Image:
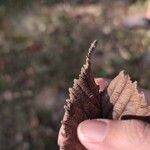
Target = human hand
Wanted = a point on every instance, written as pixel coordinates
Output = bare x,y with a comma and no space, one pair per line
114,135
118,135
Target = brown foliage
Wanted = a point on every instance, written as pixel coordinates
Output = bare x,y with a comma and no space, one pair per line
120,100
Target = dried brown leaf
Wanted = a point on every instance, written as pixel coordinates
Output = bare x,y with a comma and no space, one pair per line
120,100
84,103
125,98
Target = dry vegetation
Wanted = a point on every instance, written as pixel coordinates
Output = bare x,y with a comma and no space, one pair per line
42,47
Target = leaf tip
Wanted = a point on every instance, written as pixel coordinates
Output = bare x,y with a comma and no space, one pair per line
92,48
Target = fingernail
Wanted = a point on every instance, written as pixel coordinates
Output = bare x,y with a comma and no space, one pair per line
92,131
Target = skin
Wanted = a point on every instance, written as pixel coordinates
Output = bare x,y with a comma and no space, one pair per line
106,134
147,15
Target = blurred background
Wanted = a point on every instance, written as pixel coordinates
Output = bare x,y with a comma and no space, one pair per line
43,44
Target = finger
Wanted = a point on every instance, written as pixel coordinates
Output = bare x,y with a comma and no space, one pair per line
102,83
114,135
147,95
61,138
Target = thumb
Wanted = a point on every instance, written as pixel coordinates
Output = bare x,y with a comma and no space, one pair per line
114,135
